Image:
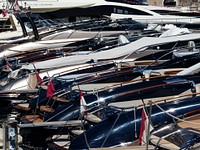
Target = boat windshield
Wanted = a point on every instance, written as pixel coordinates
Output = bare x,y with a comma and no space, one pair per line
41,22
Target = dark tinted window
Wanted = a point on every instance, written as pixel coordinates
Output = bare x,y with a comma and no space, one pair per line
133,2
130,11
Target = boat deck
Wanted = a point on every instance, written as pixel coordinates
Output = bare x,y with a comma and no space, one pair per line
192,122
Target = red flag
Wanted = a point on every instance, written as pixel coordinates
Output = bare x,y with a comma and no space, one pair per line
8,66
16,6
50,90
144,128
16,3
3,12
39,79
83,104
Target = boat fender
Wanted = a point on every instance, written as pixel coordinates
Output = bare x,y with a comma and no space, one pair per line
193,87
197,88
147,74
32,81
122,40
191,46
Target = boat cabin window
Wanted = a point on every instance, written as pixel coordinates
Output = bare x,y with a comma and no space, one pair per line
5,25
107,9
125,12
130,11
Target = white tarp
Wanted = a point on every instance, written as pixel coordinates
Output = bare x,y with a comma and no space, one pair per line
175,31
113,53
35,46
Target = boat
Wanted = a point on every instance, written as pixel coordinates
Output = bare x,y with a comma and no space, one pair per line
116,53
169,136
138,62
70,110
100,28
100,82
124,123
45,6
118,122
22,29
98,8
60,38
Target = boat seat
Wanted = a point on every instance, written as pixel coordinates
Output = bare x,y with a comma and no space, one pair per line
60,141
22,108
163,143
32,118
60,99
173,72
145,63
77,132
93,118
194,119
46,109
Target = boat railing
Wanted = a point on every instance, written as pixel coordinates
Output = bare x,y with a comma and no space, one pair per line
86,23
188,47
182,20
74,69
96,74
130,82
79,68
193,129
118,84
122,108
174,117
172,98
155,102
164,137
140,89
41,22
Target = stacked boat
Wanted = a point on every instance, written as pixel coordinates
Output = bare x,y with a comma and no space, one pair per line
99,83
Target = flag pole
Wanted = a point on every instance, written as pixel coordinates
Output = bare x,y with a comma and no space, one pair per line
148,129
